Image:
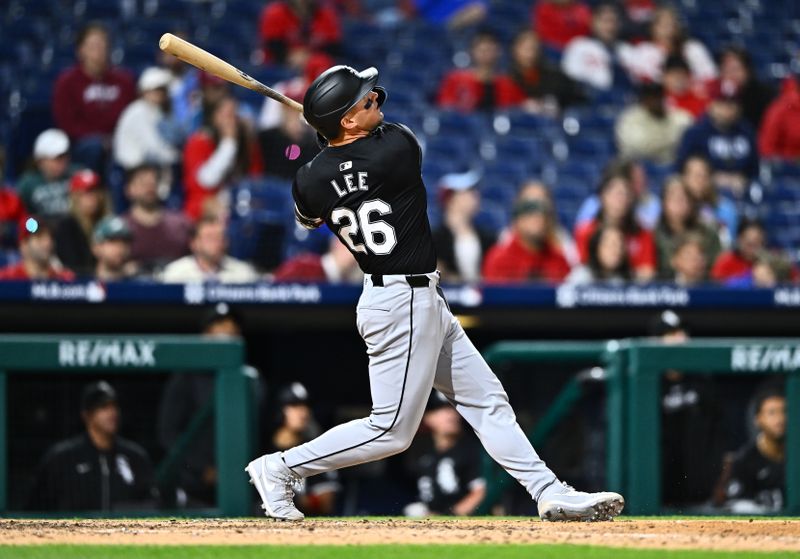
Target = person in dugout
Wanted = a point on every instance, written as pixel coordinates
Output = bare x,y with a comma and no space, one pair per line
97,470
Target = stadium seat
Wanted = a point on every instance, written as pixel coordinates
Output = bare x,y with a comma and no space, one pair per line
242,10
492,216
510,173
500,193
456,148
86,10
531,152
454,124
256,241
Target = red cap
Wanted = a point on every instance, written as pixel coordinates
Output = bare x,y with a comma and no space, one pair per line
84,180
725,90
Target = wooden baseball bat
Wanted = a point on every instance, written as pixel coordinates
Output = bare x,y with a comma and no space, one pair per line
207,62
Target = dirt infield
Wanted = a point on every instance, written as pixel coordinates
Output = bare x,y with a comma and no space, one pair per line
731,535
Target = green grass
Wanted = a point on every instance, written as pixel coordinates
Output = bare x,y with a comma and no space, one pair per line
363,552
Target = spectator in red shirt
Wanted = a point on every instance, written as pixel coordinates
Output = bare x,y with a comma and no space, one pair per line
38,255
617,208
335,266
537,190
215,157
769,271
544,88
679,91
293,31
158,235
89,97
779,137
529,252
557,22
750,243
480,87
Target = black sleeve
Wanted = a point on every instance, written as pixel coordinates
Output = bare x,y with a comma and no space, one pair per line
412,139
302,213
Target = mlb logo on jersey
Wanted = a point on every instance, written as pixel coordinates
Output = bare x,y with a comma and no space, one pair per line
345,166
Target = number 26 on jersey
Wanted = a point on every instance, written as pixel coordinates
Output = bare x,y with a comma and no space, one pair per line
379,237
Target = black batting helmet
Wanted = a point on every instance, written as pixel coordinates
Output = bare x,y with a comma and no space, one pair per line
336,91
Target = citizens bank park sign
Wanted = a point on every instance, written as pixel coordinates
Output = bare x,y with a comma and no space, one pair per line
106,353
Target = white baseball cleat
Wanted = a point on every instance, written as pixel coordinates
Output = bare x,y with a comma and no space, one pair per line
274,482
571,505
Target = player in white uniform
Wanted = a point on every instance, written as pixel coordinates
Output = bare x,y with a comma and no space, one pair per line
367,187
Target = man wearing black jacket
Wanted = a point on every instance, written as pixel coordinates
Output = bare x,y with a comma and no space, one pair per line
97,470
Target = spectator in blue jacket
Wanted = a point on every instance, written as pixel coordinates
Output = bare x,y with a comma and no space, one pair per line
725,139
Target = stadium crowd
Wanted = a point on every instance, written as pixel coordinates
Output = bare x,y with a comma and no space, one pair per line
169,176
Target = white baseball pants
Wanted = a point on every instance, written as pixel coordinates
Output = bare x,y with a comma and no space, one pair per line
414,343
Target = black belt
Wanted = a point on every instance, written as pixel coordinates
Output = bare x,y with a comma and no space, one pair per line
413,281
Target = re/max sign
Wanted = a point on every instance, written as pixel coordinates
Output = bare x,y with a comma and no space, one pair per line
104,353
765,358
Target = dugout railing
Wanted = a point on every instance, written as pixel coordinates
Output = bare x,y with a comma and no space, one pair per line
110,355
633,370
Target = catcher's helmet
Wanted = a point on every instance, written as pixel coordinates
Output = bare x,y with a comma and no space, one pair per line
336,91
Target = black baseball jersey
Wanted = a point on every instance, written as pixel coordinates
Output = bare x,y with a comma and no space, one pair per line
757,478
370,193
444,478
74,476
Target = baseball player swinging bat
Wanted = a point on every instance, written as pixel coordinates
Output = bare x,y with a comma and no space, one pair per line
367,187
194,55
